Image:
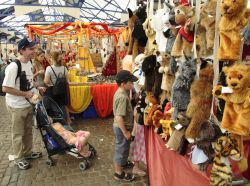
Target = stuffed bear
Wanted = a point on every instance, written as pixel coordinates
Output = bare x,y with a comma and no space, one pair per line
236,114
152,106
167,77
206,28
200,103
157,116
151,46
177,138
180,90
137,36
235,16
184,41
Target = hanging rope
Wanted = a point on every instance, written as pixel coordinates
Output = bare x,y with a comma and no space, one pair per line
197,19
215,53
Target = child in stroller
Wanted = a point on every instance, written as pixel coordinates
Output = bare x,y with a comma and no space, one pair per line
59,137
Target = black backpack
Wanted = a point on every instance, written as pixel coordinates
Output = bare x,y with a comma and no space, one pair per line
61,85
24,83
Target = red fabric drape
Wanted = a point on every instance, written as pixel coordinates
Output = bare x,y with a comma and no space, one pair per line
167,168
246,174
103,98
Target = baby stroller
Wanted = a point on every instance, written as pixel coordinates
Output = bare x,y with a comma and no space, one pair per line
46,110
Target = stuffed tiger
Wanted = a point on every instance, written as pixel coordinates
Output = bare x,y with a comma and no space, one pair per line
221,174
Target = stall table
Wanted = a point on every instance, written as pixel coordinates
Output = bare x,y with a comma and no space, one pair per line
81,95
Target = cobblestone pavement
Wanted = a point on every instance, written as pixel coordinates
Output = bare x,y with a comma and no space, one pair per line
66,171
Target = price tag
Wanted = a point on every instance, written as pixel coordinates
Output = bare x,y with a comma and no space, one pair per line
226,90
178,126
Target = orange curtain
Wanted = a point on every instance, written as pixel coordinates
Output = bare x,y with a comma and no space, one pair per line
103,98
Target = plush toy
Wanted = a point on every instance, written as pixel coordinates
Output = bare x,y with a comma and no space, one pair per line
177,138
158,77
152,106
153,78
137,36
206,28
170,31
221,173
148,67
235,16
159,24
180,91
166,128
167,77
157,116
236,114
137,72
201,99
151,46
209,132
184,41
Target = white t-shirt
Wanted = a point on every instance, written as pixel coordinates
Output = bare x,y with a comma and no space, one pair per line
10,81
58,70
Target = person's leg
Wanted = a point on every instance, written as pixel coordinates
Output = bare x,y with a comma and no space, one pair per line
28,138
119,150
17,130
17,133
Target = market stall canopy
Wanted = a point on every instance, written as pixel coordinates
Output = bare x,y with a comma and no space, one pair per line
14,14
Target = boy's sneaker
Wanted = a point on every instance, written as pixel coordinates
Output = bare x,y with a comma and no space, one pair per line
128,165
124,177
23,164
34,155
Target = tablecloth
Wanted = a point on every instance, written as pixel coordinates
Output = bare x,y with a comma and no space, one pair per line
103,98
166,167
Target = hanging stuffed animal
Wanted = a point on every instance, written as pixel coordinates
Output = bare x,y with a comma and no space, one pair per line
170,31
206,28
184,16
235,16
151,46
209,133
137,72
148,67
201,99
137,37
181,86
177,141
159,24
221,173
236,114
167,78
152,106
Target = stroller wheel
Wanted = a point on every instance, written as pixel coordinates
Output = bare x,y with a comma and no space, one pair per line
84,165
50,162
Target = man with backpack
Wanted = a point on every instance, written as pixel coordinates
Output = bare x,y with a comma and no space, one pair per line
17,84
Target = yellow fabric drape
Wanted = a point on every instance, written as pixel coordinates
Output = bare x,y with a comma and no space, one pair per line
80,98
85,60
